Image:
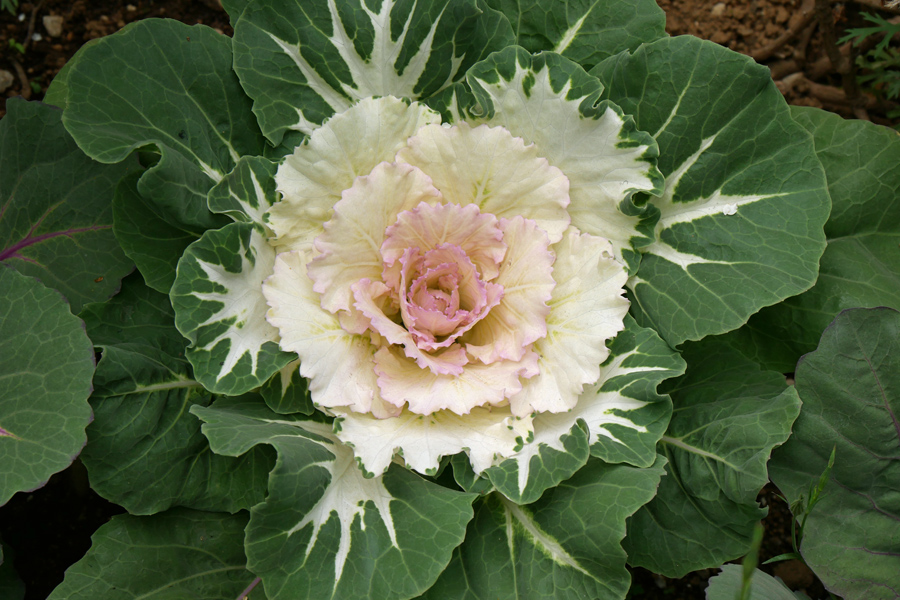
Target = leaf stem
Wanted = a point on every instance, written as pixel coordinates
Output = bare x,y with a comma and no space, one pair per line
249,589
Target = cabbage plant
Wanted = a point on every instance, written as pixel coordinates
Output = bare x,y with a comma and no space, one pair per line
432,299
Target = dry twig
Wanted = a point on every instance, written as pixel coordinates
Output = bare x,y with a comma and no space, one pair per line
806,16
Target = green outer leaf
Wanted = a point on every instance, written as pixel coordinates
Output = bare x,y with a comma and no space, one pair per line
58,91
55,220
46,361
148,237
303,61
728,417
234,8
606,159
859,267
619,420
178,554
745,198
325,531
145,451
727,585
115,105
850,387
220,308
586,31
161,82
566,545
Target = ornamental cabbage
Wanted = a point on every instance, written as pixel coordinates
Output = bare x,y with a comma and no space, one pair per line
438,255
432,282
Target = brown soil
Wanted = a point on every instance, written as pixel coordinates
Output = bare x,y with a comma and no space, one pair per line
779,33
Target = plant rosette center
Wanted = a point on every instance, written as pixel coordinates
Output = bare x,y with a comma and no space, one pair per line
442,295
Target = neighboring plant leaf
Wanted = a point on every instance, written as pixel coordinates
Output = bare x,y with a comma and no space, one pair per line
46,362
145,450
200,130
220,308
727,585
11,587
620,420
177,554
745,197
326,531
850,388
536,97
586,32
859,267
564,546
56,222
728,417
303,61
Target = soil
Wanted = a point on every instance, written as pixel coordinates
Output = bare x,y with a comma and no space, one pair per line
49,529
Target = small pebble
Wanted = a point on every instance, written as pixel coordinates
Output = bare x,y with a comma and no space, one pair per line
130,7
718,9
6,80
53,24
36,37
21,17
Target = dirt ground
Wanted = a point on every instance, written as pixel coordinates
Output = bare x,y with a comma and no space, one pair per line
786,35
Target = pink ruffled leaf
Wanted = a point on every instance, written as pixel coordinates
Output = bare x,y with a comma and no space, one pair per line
527,279
350,247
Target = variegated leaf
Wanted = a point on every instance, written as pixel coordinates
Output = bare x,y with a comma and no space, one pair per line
220,308
585,31
744,203
551,102
566,546
287,391
247,192
326,531
619,419
302,62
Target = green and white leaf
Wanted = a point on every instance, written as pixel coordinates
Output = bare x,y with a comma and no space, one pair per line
745,198
301,62
220,308
145,450
859,267
177,554
287,391
327,531
565,546
55,221
46,362
606,159
727,586
850,387
247,192
728,417
204,124
619,419
585,31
